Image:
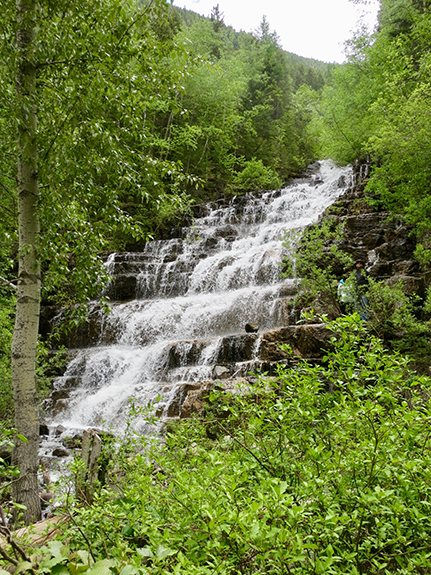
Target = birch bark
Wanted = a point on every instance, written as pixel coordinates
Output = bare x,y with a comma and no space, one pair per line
25,456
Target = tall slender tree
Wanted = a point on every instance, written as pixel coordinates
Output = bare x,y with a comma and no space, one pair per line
24,344
85,75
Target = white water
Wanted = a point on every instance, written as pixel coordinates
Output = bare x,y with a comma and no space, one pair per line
193,291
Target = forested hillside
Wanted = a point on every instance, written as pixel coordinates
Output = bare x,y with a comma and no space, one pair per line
378,104
239,125
122,114
115,117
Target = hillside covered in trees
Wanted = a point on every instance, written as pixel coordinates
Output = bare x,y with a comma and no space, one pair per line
121,116
118,117
378,105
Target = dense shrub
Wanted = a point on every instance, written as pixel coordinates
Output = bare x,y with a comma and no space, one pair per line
321,469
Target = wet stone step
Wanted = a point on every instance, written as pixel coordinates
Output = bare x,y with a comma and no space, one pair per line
181,305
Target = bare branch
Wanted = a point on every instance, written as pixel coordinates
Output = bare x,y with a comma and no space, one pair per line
8,283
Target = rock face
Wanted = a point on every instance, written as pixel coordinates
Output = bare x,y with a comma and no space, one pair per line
150,289
307,341
384,242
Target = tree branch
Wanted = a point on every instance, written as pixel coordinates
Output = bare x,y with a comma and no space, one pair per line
8,283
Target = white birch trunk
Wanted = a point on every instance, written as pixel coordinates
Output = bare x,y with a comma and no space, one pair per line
25,456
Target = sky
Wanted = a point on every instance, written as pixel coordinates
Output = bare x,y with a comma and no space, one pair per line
311,28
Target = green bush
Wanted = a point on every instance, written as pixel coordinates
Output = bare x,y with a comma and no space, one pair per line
321,469
317,260
256,176
7,313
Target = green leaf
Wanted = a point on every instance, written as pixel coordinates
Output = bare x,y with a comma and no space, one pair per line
22,567
75,569
255,529
52,562
145,552
101,568
84,556
56,548
59,570
129,570
163,552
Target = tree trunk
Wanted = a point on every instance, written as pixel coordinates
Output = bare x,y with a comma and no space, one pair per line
25,455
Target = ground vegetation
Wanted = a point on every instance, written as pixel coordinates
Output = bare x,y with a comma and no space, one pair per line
319,469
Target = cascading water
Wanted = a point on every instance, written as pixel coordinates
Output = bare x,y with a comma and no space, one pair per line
193,294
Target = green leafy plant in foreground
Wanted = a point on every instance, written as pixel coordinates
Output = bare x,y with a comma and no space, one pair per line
321,469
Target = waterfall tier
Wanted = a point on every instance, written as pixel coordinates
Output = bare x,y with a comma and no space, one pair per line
180,307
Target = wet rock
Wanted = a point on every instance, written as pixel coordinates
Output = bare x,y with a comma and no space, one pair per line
210,243
59,430
221,372
304,340
411,284
194,403
236,348
60,394
227,232
43,428
185,353
288,290
251,328
406,267
60,406
86,334
47,315
381,269
60,452
188,399
122,288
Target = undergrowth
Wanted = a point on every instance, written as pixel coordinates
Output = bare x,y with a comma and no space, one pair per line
321,469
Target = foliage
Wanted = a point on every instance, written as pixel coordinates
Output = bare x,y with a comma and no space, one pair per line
256,176
7,309
101,69
379,104
401,320
319,262
238,107
322,469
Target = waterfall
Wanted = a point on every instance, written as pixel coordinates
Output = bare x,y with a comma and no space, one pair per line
192,296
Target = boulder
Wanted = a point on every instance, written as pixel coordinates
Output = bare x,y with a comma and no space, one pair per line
236,348
305,341
194,401
60,452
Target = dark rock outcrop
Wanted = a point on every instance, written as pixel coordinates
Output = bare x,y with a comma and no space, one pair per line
381,240
306,341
